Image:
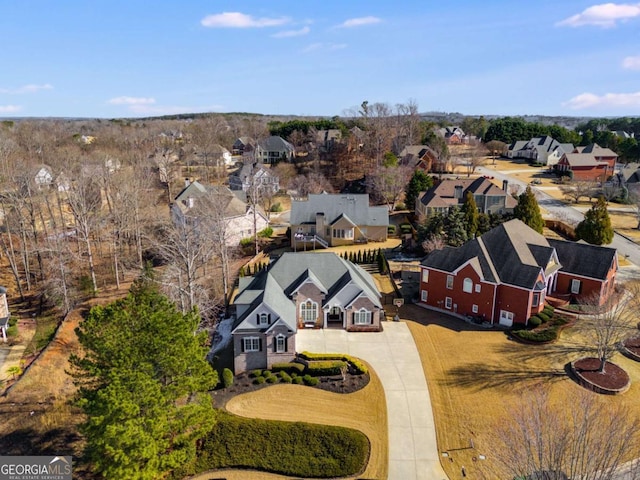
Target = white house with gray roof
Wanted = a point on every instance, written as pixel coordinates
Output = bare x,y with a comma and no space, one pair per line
299,290
273,149
337,219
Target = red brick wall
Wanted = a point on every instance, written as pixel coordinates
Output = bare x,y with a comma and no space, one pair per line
588,287
589,173
514,300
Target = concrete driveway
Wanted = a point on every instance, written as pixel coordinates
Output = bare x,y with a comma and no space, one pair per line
413,453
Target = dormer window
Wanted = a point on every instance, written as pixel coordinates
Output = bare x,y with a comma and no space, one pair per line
263,319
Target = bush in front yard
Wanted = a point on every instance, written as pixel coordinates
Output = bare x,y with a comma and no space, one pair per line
325,367
535,321
272,379
227,378
356,363
259,380
294,449
298,380
286,378
546,335
288,367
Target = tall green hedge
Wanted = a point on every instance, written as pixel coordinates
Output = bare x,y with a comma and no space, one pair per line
288,448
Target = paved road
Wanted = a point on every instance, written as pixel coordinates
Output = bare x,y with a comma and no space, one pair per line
557,209
413,452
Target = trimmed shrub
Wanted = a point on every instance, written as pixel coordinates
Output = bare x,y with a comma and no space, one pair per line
356,363
535,321
544,317
292,449
310,381
298,380
400,206
266,373
325,367
266,232
276,207
546,335
255,373
294,374
288,367
227,378
286,378
259,380
246,242
271,379
548,309
391,230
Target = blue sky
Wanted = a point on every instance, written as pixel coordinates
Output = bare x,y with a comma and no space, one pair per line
133,58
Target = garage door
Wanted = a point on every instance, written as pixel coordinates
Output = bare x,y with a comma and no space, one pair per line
506,318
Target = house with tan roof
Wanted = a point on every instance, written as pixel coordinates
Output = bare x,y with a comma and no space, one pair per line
451,192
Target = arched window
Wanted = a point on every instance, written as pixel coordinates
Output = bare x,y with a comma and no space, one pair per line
309,312
281,343
467,285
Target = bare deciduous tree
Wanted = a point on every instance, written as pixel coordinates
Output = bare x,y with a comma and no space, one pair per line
576,190
387,184
580,437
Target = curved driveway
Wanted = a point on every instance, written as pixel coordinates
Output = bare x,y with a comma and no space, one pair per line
413,452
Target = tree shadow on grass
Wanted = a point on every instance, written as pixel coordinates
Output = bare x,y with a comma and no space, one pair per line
27,441
478,377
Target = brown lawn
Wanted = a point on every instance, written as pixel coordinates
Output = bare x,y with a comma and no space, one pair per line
365,410
476,375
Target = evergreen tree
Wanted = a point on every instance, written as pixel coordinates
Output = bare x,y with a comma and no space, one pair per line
471,215
454,227
528,210
142,383
241,274
359,258
419,182
382,265
596,227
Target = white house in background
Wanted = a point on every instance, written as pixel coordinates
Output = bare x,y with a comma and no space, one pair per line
238,215
554,157
43,176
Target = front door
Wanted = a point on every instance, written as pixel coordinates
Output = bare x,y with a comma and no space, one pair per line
335,318
506,318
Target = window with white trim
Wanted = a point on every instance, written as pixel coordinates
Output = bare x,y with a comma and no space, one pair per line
450,282
467,285
281,344
448,301
362,317
478,288
424,295
575,286
309,311
536,300
474,308
263,319
425,276
251,344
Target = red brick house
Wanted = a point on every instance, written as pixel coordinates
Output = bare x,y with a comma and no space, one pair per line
505,275
590,163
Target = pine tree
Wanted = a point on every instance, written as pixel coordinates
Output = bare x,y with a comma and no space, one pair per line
241,271
143,390
455,228
419,182
359,257
596,227
382,265
471,215
528,210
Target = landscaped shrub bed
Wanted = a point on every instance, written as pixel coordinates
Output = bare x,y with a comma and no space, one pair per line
292,367
289,448
541,331
318,368
358,365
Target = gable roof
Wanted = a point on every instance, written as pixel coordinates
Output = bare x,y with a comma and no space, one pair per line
354,206
510,253
582,160
443,194
583,259
275,144
598,151
234,205
274,286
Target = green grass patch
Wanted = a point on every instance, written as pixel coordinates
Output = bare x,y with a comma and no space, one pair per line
294,449
45,330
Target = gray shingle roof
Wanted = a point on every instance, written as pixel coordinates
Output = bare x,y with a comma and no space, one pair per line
354,206
591,261
275,144
274,286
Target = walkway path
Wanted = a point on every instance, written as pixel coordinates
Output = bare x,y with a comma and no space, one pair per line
413,452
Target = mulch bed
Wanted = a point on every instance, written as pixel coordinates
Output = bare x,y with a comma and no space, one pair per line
243,383
614,379
631,347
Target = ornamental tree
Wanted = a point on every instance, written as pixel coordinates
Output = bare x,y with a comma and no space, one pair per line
596,227
528,210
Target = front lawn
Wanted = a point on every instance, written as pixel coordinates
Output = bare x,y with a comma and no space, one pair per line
289,448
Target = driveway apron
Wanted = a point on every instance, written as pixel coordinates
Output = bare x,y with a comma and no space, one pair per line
413,452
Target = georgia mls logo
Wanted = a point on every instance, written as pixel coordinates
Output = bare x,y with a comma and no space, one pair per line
35,468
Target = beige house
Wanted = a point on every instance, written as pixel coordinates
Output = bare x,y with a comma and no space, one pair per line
325,220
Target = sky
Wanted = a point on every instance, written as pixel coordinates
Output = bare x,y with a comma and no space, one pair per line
134,58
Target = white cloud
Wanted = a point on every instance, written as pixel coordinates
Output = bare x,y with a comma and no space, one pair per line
608,100
241,20
31,88
631,63
358,22
324,46
292,33
132,101
604,15
10,108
